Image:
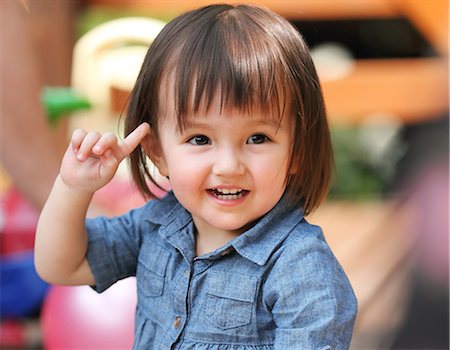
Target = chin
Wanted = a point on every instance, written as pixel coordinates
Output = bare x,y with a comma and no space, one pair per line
229,227
236,227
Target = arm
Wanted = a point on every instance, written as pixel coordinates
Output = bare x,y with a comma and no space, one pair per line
89,163
24,134
311,299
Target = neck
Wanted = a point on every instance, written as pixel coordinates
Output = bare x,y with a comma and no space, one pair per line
210,239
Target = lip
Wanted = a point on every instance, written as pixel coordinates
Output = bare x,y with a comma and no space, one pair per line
227,195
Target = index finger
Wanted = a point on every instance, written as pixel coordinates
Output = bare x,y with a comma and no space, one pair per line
134,139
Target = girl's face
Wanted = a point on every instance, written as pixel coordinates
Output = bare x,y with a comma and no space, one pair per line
226,168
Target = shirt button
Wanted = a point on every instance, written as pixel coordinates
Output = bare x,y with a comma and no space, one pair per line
177,322
226,252
186,273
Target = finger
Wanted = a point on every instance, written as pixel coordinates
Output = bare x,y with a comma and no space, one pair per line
134,139
88,142
77,138
106,142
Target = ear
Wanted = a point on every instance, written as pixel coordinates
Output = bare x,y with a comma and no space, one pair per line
294,169
153,150
293,164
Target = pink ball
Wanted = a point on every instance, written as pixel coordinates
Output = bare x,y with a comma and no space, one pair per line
80,318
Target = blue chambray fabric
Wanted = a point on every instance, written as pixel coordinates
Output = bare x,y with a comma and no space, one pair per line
276,286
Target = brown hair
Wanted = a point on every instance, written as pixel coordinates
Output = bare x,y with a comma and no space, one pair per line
254,59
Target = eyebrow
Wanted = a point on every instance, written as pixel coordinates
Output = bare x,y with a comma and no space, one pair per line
192,123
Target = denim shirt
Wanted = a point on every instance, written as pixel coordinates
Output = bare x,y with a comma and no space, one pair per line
276,286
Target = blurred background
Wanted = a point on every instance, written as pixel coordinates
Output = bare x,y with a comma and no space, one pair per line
384,71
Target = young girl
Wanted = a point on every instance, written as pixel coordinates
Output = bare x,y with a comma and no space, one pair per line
229,108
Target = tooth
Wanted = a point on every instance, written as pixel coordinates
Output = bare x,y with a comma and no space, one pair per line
224,193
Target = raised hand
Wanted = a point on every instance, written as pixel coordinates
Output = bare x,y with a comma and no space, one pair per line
92,159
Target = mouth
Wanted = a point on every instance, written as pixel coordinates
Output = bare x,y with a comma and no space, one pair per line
228,193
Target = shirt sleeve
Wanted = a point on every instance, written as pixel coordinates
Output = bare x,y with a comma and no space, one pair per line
113,246
312,302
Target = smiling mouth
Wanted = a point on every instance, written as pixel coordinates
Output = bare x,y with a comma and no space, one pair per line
228,194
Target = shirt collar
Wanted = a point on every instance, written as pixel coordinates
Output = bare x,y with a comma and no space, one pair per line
168,212
255,244
258,243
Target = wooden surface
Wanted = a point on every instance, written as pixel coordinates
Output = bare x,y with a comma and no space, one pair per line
409,90
289,8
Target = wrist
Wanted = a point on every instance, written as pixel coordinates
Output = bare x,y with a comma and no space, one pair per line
73,191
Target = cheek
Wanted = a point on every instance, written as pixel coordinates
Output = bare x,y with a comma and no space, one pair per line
271,178
184,172
272,169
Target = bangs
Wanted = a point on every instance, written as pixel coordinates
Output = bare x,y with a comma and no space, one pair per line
233,61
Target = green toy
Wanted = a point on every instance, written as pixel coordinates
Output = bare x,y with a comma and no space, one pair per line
60,101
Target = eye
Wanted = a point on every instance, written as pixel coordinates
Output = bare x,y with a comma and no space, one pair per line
199,140
257,139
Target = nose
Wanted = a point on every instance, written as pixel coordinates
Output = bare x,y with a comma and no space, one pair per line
228,162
